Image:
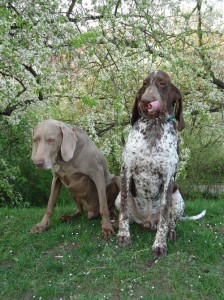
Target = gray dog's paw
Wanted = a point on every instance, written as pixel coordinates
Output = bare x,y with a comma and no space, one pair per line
124,240
37,229
72,217
107,233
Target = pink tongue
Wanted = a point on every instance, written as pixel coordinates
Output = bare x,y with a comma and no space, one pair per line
154,106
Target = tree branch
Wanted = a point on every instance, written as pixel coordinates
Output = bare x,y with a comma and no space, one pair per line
100,132
70,9
116,7
205,60
37,77
17,79
10,108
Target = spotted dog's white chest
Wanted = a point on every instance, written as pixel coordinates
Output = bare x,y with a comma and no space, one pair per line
144,150
149,159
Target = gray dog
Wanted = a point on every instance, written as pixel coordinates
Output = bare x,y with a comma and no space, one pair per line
81,167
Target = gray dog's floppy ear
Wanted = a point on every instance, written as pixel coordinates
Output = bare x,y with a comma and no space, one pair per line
68,142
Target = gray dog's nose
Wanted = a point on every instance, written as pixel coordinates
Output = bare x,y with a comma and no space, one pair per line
39,163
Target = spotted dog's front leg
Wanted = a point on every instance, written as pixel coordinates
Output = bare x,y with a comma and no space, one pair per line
159,248
123,236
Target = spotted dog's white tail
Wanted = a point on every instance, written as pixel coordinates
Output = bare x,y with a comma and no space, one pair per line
194,218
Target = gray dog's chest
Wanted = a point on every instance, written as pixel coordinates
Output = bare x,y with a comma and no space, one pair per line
150,155
75,181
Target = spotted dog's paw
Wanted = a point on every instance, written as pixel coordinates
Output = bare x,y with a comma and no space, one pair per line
172,235
159,251
123,239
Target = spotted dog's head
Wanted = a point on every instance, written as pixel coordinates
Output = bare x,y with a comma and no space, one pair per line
158,96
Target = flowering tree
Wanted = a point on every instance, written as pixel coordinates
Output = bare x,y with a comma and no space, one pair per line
132,38
83,62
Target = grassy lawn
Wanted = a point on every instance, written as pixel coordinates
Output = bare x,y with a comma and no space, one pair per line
71,261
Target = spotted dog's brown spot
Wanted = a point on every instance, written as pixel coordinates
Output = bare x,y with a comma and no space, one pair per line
132,187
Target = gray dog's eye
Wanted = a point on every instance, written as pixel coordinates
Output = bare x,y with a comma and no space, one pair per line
36,140
50,140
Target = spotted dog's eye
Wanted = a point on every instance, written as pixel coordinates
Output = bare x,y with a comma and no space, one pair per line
145,83
162,83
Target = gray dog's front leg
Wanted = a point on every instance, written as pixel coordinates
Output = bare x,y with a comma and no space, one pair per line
44,223
107,228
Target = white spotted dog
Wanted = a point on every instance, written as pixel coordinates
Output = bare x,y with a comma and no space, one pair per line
148,194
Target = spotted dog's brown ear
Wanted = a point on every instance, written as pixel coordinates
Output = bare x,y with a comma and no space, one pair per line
135,110
176,99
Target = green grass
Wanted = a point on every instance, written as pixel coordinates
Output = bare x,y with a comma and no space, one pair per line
71,261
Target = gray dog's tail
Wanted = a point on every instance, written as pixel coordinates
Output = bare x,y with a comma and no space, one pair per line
194,218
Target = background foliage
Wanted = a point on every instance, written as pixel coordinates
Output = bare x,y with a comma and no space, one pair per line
83,62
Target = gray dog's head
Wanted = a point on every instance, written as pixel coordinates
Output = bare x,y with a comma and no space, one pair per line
50,137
